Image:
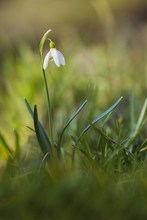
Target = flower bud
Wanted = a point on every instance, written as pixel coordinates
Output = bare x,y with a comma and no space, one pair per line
52,44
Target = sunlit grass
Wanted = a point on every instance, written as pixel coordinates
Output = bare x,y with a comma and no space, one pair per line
107,166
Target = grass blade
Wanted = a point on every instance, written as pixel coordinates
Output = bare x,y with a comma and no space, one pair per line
101,132
100,117
140,123
70,120
142,147
32,115
46,139
141,118
45,147
17,143
29,108
42,44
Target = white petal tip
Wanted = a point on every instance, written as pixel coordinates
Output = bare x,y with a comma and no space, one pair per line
46,60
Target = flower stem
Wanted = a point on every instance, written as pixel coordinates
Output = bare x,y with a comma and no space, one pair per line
49,109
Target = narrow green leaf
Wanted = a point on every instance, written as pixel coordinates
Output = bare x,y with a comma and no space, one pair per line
132,112
70,120
143,150
31,129
101,132
45,147
141,118
104,139
43,39
83,148
32,115
43,161
141,122
100,117
47,141
17,143
114,153
142,147
29,108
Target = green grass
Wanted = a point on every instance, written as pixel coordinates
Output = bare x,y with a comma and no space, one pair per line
99,176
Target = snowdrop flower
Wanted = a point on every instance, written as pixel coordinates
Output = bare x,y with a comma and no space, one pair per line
55,55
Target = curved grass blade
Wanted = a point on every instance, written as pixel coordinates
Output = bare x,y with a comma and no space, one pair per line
102,133
40,134
42,164
141,122
70,120
32,115
29,108
43,39
141,117
142,147
100,117
31,129
83,149
44,135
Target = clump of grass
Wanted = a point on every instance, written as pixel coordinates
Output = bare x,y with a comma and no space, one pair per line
97,170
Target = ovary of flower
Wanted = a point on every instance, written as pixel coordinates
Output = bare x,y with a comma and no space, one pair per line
56,55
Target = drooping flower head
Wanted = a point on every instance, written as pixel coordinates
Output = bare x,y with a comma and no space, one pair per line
54,55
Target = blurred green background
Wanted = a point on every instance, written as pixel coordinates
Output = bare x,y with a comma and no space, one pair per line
21,20
105,47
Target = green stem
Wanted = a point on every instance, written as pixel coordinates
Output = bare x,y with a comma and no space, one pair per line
49,109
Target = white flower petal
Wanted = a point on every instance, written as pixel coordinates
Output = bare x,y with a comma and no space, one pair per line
55,56
58,57
61,58
46,60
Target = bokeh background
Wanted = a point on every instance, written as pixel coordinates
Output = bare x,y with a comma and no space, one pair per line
22,20
104,176
105,47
